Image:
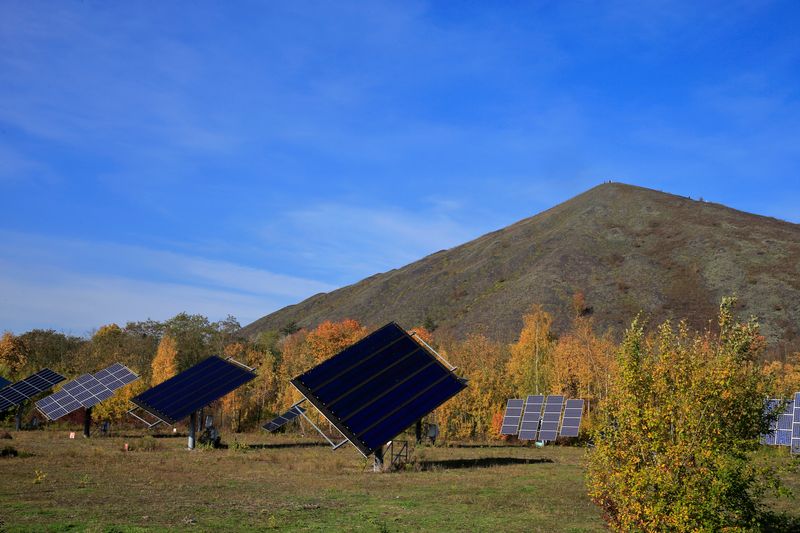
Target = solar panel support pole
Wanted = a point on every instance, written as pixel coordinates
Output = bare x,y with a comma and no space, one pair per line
87,422
18,418
418,431
324,436
192,424
378,465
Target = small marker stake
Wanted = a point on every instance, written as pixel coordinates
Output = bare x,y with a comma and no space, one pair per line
72,434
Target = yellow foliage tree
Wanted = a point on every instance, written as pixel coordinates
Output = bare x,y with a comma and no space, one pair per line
529,362
12,354
583,363
785,376
470,413
165,363
115,408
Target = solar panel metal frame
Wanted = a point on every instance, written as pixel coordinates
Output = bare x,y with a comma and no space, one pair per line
86,391
512,416
529,427
16,393
571,420
393,395
191,390
551,418
283,419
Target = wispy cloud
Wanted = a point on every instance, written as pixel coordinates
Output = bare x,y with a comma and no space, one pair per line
43,278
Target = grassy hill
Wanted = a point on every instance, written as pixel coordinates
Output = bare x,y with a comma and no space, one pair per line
629,249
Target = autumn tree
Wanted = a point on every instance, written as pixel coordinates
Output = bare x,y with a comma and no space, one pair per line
674,438
529,362
582,362
165,363
469,414
12,354
785,376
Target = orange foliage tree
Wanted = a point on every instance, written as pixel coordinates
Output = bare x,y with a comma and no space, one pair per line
12,355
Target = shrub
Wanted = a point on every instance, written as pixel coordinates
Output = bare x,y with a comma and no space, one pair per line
674,439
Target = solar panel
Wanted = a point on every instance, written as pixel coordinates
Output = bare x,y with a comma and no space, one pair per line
551,418
531,417
512,417
285,418
86,391
795,441
4,382
770,437
28,388
376,388
194,388
571,422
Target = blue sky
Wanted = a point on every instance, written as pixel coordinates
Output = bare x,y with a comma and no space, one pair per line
236,157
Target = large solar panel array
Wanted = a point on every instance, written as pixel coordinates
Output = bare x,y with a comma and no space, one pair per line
529,423
378,387
194,388
4,382
512,417
28,388
571,422
780,429
531,417
86,391
284,419
551,418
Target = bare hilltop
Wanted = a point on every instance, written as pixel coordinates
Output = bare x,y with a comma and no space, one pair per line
627,249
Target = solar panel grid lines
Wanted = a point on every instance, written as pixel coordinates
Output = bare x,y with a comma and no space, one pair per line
512,416
794,443
529,427
86,391
281,420
571,421
194,388
551,418
29,387
4,382
376,388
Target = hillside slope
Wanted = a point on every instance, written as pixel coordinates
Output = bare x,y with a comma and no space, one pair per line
629,249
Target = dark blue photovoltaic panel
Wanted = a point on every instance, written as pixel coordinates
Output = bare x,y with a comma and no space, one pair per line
194,388
375,389
512,417
780,429
283,419
28,388
4,382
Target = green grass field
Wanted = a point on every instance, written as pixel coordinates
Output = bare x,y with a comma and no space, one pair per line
290,484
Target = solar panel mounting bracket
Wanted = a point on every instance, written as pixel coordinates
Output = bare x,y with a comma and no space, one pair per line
150,425
434,352
334,445
234,361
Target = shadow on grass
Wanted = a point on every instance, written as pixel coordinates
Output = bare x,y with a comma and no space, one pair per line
781,523
480,462
279,445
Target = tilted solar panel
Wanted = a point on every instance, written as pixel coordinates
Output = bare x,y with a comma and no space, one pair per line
529,427
285,418
770,406
194,388
571,422
795,441
86,391
29,387
379,386
4,382
512,417
551,418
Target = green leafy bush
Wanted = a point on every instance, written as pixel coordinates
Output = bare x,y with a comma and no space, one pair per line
675,437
